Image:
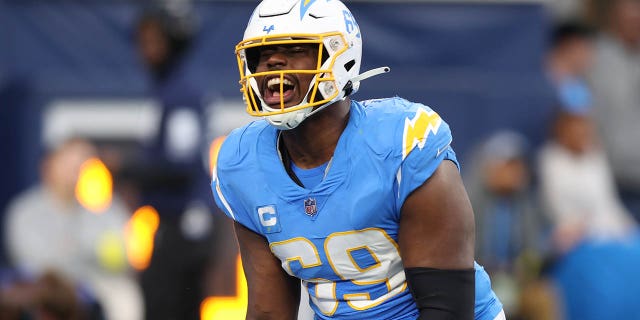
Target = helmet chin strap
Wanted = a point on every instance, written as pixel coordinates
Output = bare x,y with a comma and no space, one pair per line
290,120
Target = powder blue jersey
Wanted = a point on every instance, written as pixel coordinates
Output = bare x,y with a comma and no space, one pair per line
341,236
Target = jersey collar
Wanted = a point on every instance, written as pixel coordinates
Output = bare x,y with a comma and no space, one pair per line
279,181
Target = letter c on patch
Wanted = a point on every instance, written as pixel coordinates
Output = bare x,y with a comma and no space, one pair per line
268,217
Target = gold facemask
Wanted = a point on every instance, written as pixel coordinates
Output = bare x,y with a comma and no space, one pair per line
322,89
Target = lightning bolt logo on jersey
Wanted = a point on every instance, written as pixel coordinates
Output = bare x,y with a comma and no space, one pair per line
346,252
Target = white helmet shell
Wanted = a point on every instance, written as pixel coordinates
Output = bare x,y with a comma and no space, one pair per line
327,23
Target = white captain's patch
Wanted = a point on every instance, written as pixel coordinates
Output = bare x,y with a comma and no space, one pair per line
268,216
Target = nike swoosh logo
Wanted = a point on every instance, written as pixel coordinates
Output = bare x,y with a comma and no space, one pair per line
441,150
316,16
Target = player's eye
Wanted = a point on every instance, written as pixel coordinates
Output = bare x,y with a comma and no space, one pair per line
297,49
266,53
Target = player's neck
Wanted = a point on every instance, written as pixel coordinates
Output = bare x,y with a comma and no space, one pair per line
313,142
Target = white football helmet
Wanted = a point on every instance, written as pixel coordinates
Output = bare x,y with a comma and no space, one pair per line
327,23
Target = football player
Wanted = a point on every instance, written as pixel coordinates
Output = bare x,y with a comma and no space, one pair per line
362,201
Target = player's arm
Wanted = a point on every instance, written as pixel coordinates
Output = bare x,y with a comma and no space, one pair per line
273,294
436,239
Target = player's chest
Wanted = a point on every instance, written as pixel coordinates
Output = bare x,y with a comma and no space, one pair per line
311,232
354,205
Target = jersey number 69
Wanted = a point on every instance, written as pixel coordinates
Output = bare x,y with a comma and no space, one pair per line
363,261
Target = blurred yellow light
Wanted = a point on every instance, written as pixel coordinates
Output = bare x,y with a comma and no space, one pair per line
214,149
94,188
140,233
111,252
228,308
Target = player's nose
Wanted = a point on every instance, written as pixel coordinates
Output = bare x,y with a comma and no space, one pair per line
277,60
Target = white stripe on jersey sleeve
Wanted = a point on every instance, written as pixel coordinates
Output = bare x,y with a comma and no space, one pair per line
222,198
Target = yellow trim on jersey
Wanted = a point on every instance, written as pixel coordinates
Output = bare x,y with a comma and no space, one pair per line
333,284
297,258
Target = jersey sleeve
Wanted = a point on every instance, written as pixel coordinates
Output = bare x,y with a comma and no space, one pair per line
222,185
426,142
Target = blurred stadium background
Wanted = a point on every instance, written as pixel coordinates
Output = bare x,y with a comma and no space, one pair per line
153,101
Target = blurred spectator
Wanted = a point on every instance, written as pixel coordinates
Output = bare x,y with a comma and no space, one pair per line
576,181
577,189
577,184
569,58
616,86
509,229
163,37
47,229
49,297
173,178
163,40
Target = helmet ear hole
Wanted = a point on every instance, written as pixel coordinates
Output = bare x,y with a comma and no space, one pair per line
349,65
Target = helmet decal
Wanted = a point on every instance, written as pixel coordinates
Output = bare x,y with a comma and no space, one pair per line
350,23
269,29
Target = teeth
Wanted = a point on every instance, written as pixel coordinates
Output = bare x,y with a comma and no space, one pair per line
274,83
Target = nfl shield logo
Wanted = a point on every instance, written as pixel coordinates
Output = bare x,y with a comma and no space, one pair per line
310,207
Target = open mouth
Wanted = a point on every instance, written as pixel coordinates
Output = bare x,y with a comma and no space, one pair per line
272,93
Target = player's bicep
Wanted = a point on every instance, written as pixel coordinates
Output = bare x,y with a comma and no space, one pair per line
437,224
273,294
